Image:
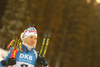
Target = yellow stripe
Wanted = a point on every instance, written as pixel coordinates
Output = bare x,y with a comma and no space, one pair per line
42,47
46,47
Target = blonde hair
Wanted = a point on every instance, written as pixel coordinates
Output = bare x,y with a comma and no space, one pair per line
21,35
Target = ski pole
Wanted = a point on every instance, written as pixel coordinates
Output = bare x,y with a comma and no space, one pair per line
14,50
42,46
20,46
47,43
10,44
40,61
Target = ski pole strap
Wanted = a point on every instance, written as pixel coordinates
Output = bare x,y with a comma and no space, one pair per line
20,47
15,44
10,44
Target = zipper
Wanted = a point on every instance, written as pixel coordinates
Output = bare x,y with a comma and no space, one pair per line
27,51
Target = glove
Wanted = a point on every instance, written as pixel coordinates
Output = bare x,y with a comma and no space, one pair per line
3,63
45,64
41,60
11,61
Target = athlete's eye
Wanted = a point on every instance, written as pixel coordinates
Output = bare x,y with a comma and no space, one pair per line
31,37
35,38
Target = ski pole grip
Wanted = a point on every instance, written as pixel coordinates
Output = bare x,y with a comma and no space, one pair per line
14,52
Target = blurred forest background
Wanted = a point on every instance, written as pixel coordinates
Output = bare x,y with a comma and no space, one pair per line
74,26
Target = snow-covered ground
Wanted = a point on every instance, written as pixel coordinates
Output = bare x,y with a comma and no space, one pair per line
3,54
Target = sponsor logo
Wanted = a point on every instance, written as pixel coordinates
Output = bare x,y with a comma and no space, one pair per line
25,56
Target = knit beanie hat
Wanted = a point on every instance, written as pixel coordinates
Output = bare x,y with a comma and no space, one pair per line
30,31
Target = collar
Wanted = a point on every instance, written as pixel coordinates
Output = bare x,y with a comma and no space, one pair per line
25,49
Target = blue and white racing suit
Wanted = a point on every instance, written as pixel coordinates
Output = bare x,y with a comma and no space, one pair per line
27,58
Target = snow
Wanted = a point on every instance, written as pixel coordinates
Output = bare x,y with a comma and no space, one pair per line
3,54
1,58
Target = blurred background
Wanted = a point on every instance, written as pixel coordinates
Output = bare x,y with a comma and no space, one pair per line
74,26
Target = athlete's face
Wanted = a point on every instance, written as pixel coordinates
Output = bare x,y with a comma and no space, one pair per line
31,40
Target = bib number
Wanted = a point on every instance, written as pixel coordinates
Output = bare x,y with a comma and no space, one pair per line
24,65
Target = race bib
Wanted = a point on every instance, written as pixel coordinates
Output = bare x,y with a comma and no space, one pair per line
23,64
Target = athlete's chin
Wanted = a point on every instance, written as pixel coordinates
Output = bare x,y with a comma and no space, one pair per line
32,45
